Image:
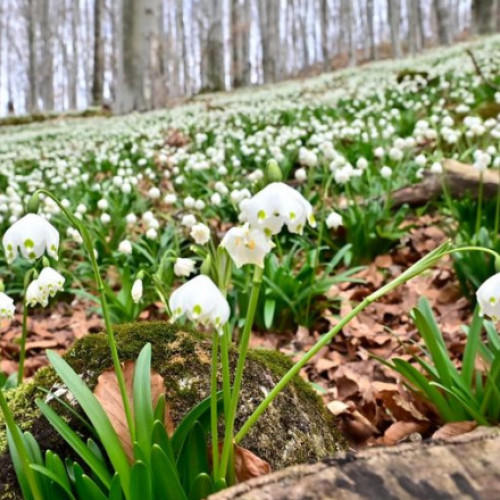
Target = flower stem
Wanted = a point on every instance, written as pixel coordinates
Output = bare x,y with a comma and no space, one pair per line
22,353
479,204
410,273
243,350
496,227
20,449
87,241
213,406
24,336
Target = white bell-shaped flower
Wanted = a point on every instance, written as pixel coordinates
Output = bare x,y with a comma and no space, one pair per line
488,297
7,307
51,280
246,245
137,290
277,205
201,301
32,235
37,293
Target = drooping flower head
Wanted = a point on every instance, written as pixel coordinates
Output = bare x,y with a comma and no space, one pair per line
7,307
32,235
201,301
246,245
275,206
488,297
46,285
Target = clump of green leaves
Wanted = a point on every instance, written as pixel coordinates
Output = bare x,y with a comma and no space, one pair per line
468,394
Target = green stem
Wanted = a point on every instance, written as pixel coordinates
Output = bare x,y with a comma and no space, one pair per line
87,241
22,354
496,227
213,407
226,373
243,349
411,272
479,204
24,336
20,448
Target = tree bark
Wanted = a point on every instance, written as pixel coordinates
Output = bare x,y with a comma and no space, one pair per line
98,69
32,57
324,18
371,30
348,22
443,21
269,33
73,69
134,54
47,59
482,15
412,9
464,467
394,15
215,48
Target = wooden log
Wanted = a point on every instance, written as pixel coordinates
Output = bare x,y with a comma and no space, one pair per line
461,179
466,467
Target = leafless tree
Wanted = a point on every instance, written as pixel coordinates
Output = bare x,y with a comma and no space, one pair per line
394,15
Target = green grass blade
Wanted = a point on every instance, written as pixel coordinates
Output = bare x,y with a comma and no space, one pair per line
140,482
53,477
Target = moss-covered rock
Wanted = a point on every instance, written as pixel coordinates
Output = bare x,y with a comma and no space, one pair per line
296,428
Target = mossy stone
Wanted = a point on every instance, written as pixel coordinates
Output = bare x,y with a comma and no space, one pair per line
295,429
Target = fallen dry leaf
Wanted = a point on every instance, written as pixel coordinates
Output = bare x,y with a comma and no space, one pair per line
400,430
248,465
108,394
453,429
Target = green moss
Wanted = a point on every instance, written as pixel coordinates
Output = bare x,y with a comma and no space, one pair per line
296,428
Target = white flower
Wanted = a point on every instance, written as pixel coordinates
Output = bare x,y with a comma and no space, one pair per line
136,291
105,218
51,281
379,152
102,204
125,247
334,220
301,174
154,193
36,293
488,297
436,168
189,202
131,218
184,267
33,235
200,233
7,307
170,198
246,245
216,199
201,301
188,220
151,233
277,205
386,172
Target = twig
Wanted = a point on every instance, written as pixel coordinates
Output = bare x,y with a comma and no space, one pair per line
479,71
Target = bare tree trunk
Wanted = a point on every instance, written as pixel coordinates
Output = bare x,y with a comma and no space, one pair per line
325,49
135,36
73,69
181,34
215,48
245,44
482,15
236,44
32,57
394,15
443,21
98,69
47,61
371,29
269,32
412,9
347,17
421,29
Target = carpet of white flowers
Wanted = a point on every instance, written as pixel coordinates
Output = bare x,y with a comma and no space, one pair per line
151,188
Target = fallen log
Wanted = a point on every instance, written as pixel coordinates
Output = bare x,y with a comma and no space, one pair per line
460,179
466,466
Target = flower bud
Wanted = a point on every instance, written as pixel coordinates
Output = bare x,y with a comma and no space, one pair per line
273,172
33,204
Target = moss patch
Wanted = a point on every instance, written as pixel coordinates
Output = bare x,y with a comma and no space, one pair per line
296,428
